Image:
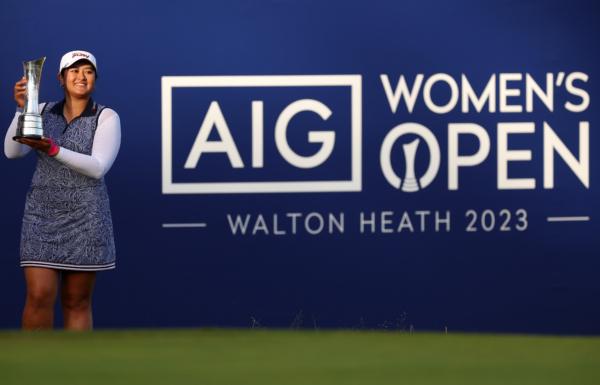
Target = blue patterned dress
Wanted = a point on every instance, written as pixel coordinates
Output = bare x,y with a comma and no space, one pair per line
67,222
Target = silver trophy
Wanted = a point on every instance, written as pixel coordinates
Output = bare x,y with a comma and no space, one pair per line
30,122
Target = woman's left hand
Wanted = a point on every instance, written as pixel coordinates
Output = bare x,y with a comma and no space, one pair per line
42,144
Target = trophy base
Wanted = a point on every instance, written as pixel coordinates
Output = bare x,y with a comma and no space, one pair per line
38,137
29,126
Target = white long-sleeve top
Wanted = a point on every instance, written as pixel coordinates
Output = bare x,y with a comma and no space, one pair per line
105,148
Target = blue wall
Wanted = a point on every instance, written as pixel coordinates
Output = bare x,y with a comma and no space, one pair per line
539,275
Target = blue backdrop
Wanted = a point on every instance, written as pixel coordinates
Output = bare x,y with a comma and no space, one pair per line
515,253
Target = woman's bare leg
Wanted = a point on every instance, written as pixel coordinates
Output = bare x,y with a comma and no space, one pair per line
76,298
42,286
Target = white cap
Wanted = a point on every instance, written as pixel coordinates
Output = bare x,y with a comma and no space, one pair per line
70,58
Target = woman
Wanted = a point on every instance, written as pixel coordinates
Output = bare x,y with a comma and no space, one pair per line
67,232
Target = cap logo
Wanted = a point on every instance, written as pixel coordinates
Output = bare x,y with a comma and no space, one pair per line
75,54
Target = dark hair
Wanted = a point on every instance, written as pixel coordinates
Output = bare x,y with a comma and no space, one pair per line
77,64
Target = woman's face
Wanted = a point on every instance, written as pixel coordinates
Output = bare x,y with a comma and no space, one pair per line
79,80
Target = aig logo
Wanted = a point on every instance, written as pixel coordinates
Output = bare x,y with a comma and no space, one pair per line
305,130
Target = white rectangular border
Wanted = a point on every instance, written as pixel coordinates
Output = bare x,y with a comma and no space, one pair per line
170,82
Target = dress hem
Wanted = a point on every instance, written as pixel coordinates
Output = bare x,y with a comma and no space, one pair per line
66,266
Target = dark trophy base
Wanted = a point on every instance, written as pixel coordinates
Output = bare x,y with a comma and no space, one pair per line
37,137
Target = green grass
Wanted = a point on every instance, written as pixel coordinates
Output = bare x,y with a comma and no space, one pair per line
266,357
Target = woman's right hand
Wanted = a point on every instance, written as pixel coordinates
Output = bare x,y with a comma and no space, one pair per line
20,92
